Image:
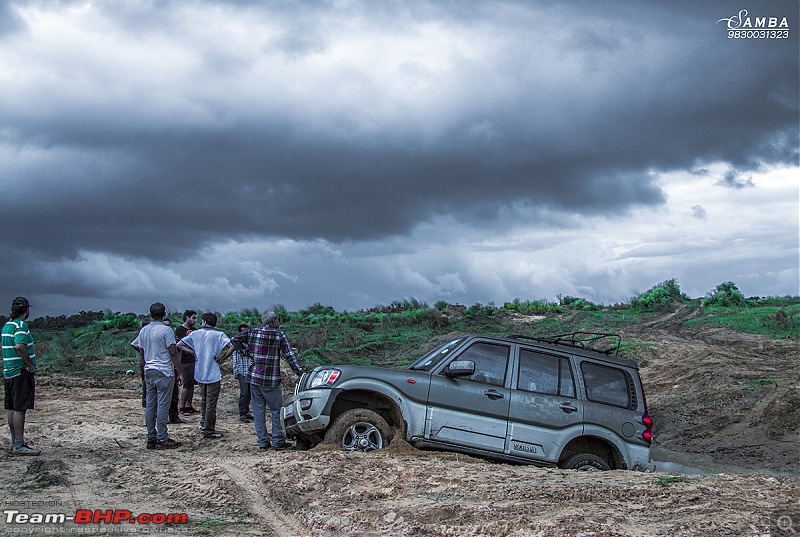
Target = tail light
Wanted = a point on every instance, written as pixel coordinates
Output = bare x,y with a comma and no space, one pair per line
647,421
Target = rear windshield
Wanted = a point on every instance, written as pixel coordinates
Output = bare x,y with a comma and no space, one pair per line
429,361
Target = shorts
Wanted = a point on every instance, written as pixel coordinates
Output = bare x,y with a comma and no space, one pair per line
20,391
188,375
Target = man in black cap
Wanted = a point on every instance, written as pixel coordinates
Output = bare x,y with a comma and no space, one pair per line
19,368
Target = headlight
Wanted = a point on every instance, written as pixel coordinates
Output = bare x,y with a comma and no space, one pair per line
323,378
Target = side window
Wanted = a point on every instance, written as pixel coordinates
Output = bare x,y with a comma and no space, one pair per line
607,385
490,362
566,387
545,373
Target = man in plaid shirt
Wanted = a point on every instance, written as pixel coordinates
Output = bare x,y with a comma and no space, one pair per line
264,346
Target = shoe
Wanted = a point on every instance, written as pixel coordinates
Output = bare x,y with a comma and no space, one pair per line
25,449
282,445
268,446
244,418
201,427
169,443
152,443
177,420
190,410
212,434
249,417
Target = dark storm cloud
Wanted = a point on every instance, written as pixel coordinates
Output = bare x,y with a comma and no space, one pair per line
733,179
633,90
10,21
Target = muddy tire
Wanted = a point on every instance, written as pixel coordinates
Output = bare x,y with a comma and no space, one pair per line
301,444
588,462
359,429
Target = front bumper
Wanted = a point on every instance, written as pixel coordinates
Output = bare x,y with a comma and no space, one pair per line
307,414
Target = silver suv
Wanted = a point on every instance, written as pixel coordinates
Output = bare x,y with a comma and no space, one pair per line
547,401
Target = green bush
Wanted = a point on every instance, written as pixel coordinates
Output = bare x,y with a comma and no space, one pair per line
726,295
479,310
318,309
575,303
116,321
782,321
532,307
660,296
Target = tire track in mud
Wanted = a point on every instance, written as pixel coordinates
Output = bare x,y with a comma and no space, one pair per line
273,521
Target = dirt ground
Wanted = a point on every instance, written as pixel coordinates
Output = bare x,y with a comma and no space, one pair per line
725,403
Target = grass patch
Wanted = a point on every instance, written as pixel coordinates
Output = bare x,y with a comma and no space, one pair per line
770,320
757,383
669,480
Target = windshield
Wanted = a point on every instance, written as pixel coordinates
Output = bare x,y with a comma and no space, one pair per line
429,361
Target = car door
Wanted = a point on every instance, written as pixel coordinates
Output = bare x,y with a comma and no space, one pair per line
472,411
544,411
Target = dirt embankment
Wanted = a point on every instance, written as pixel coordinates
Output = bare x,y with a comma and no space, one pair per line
717,398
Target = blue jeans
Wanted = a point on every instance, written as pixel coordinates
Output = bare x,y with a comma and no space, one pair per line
244,394
159,395
264,396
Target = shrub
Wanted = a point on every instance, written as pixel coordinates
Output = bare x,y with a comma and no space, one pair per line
318,309
659,296
782,321
532,307
575,303
478,310
116,321
725,295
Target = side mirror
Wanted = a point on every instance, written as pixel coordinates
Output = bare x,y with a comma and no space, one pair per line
460,368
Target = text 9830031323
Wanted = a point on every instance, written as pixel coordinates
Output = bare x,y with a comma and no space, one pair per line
758,34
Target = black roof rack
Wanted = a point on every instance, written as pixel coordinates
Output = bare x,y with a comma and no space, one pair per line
580,339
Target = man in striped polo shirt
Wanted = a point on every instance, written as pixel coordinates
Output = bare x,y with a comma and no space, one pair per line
19,368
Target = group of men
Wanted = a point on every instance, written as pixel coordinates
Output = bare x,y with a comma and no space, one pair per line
169,360
256,364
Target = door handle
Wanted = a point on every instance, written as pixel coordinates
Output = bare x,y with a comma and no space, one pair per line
566,407
493,394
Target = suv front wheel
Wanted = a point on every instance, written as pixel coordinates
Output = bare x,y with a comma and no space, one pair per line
359,429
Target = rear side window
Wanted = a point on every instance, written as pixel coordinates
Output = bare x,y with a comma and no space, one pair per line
545,373
607,385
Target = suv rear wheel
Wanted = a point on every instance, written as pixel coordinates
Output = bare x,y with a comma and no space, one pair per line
359,429
586,461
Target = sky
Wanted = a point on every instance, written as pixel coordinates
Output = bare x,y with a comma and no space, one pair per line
222,155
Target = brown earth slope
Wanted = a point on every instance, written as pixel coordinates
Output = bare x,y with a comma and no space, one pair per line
725,402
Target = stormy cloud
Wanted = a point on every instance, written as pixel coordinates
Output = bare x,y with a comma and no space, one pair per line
141,140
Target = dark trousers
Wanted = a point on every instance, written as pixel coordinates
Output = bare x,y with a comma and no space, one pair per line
244,395
209,395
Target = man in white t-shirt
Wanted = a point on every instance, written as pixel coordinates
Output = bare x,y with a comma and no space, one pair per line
156,342
206,345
